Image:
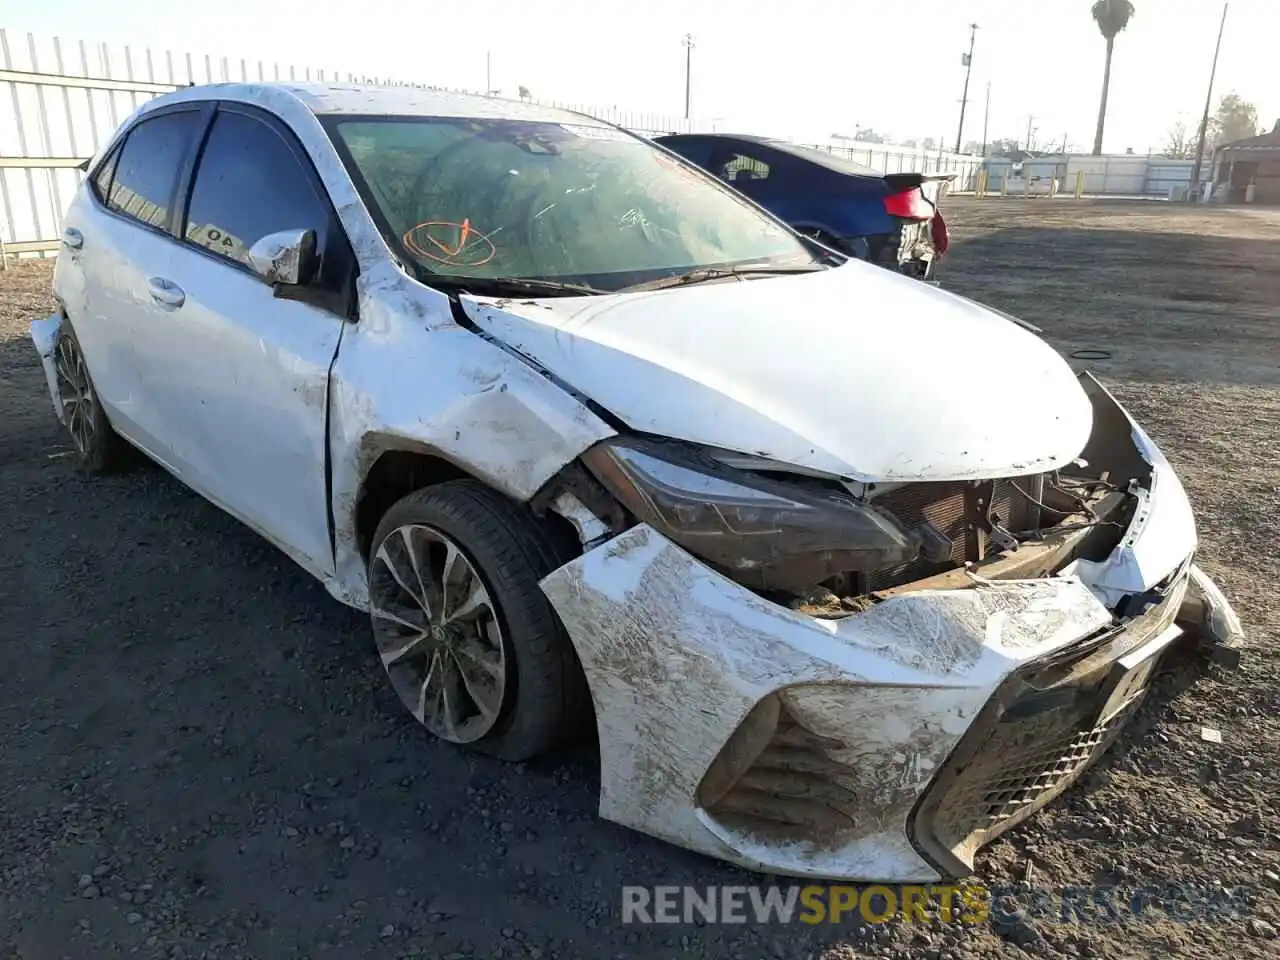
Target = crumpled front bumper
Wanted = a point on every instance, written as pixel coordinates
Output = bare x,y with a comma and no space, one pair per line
887,745
861,713
44,334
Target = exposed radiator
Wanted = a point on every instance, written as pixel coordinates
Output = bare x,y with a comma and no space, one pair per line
954,508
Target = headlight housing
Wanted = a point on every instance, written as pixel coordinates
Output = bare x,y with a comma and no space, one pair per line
766,533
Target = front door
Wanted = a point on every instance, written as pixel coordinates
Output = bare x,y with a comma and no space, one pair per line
251,382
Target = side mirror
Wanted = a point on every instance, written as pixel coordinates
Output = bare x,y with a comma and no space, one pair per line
287,257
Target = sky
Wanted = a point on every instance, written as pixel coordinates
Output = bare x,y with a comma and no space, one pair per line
804,69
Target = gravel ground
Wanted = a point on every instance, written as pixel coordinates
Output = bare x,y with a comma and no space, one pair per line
200,757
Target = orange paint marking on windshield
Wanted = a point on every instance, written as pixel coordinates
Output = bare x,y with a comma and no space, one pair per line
457,244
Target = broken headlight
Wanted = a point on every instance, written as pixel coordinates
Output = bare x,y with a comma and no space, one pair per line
766,533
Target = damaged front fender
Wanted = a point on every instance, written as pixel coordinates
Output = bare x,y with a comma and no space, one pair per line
1162,533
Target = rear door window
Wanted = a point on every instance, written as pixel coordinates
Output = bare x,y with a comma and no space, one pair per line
146,175
250,184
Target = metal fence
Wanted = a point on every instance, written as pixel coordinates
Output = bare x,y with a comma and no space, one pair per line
60,102
1084,175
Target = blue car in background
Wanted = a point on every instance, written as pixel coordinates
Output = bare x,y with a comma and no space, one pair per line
889,219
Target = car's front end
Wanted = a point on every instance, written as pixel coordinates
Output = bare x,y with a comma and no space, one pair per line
837,618
887,724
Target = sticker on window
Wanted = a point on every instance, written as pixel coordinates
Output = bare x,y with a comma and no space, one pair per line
595,133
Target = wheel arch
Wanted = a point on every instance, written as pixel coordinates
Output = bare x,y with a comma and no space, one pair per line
396,467
815,226
399,466
826,236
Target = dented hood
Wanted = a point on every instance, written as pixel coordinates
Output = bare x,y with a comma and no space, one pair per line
853,371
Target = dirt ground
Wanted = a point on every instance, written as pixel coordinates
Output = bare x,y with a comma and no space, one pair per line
199,756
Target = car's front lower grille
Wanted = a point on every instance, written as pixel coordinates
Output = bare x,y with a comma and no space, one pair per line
1036,736
1018,773
1029,773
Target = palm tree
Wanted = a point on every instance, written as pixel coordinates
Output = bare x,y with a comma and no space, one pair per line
1112,16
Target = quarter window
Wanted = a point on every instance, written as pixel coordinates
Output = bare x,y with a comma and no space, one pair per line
249,184
101,182
743,168
147,171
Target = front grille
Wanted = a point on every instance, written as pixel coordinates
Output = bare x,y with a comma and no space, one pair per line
1029,771
1036,736
955,509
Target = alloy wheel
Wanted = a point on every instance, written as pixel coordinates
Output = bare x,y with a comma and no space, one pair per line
78,402
437,633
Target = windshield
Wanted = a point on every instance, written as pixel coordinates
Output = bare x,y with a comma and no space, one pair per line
491,199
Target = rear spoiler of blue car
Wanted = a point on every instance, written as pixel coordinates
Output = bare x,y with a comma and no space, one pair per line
905,181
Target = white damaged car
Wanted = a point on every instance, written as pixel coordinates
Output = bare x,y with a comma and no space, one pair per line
595,439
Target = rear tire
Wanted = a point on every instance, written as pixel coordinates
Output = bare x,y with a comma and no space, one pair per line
98,447
503,679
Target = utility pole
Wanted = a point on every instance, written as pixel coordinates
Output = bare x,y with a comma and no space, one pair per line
986,119
967,60
1030,120
688,72
1204,120
488,73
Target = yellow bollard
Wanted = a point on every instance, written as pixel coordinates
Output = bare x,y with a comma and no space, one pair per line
982,184
1079,184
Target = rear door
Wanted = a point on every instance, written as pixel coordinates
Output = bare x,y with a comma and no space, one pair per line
117,245
249,385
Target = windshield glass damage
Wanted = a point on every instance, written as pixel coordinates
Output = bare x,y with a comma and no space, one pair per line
584,204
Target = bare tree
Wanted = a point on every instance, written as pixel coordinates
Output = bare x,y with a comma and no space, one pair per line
1005,147
1181,142
1112,16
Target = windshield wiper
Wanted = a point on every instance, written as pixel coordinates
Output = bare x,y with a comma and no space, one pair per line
703,274
499,286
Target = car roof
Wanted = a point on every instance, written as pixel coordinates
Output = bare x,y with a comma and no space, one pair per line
813,155
750,137
357,99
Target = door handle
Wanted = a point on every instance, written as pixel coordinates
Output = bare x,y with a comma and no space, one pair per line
72,238
166,292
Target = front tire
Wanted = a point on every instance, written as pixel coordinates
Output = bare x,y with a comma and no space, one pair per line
470,643
99,448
